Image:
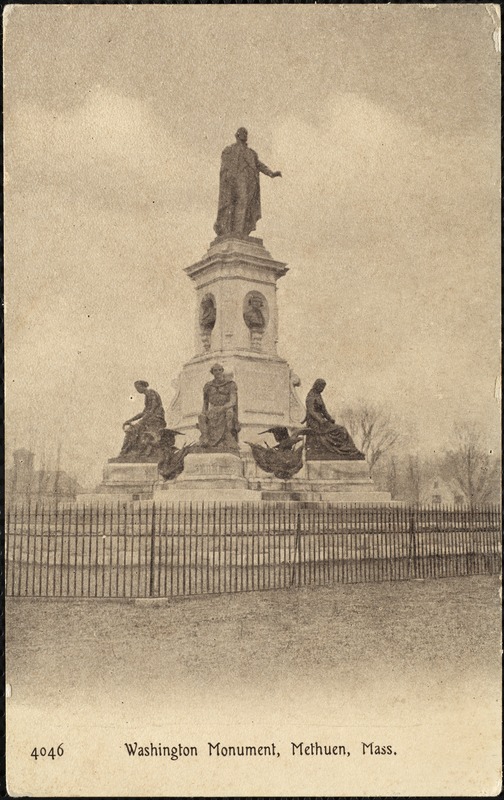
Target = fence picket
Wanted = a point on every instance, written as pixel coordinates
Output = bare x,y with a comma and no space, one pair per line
8,568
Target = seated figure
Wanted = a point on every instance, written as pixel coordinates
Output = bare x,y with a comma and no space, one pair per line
143,431
326,440
218,421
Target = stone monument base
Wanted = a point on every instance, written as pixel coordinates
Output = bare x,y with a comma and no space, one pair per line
212,470
209,477
343,474
326,482
220,477
123,478
299,495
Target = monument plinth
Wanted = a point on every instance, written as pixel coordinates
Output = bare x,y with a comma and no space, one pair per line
236,324
209,477
121,478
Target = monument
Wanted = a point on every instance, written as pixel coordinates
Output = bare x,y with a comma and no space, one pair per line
252,390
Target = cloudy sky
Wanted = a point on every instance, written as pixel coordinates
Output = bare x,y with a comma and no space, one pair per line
384,121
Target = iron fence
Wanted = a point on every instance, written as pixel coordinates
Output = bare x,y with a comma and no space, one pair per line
149,550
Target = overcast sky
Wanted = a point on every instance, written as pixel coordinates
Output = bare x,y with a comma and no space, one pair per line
384,121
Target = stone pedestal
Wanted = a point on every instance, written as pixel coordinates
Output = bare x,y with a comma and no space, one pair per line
232,273
327,482
342,475
212,470
209,477
123,478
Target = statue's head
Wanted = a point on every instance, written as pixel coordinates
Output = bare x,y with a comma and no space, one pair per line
141,386
256,302
242,134
217,370
319,385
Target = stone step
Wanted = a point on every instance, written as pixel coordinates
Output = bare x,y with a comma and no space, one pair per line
369,498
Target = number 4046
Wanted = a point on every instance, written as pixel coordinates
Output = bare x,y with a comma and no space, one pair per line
52,752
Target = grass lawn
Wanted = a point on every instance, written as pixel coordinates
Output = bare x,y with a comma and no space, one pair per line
364,659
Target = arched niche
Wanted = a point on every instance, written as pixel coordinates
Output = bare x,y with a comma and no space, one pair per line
255,317
207,316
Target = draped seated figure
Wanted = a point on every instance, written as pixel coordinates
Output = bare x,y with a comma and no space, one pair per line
326,440
218,421
143,431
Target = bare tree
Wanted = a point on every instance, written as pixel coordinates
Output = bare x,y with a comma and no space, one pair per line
373,430
470,465
392,478
414,477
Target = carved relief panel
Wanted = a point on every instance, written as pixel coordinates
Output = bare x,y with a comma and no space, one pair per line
256,317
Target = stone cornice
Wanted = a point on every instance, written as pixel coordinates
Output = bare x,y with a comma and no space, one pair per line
229,254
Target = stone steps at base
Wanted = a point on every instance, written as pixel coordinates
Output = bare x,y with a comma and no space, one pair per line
199,495
372,498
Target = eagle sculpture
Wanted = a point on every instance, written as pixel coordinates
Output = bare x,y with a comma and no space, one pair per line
284,459
172,458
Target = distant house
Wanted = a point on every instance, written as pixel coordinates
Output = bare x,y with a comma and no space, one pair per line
440,492
24,482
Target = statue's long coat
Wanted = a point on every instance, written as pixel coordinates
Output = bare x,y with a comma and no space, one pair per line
239,182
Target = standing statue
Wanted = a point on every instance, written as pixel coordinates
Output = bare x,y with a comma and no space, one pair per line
218,422
143,431
239,191
326,440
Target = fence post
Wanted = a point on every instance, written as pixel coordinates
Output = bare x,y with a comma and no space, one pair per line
297,547
412,550
152,551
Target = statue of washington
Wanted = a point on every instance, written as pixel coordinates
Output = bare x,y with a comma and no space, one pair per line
239,191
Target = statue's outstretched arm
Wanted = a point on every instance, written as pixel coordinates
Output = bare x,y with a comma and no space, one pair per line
267,171
137,416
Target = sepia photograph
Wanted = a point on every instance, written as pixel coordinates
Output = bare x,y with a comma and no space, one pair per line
253,400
